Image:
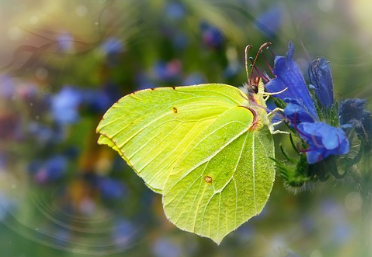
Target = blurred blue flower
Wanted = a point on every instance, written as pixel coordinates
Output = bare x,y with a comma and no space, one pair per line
175,10
232,69
166,248
321,81
323,140
51,170
65,104
212,36
7,86
96,100
65,41
351,111
111,188
270,21
123,233
143,81
45,134
179,40
62,236
7,206
353,115
112,46
167,71
194,79
289,77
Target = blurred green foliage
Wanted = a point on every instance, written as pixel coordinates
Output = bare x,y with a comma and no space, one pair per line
63,195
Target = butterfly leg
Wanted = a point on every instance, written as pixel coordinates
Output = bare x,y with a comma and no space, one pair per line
272,125
275,111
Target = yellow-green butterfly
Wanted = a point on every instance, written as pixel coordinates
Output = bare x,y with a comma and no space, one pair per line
206,148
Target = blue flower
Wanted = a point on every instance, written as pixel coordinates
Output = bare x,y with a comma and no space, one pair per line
323,140
65,104
296,114
321,81
289,77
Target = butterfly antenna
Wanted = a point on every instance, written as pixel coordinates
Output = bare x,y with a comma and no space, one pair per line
246,51
262,47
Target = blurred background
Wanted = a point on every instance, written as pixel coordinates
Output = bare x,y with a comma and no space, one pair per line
63,63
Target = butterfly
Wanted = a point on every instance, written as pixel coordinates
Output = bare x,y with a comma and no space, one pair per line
205,148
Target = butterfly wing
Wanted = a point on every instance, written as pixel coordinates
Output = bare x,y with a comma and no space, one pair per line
223,179
195,146
152,128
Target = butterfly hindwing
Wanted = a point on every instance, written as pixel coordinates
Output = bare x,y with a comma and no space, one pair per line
224,179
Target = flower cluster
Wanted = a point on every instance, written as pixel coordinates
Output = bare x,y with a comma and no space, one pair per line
323,127
301,113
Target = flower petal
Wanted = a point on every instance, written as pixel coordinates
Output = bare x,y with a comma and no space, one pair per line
288,75
297,114
321,79
323,140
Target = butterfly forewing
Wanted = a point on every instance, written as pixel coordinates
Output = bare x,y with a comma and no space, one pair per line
152,128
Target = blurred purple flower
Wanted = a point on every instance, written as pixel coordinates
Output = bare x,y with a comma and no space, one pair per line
167,71
111,188
65,41
65,104
323,140
175,10
10,127
7,86
51,170
112,46
212,36
321,81
270,21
